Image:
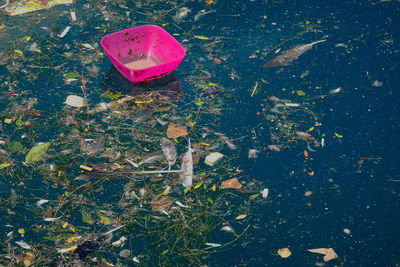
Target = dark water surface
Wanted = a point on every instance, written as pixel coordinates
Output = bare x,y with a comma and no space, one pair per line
344,196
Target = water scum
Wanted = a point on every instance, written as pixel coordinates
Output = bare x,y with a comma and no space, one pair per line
99,191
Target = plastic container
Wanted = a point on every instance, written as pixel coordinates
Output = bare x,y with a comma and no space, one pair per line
143,53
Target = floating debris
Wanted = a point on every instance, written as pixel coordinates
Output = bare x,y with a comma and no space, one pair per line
290,55
187,168
213,158
75,101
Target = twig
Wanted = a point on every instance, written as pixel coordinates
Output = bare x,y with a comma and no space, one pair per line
150,172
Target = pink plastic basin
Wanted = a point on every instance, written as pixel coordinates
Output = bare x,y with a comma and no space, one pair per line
143,53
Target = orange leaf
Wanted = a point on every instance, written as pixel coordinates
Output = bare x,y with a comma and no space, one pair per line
306,153
174,131
328,252
231,183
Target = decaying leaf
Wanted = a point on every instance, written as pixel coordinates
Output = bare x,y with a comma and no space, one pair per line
169,150
160,202
241,216
37,152
284,252
231,183
174,131
329,253
187,168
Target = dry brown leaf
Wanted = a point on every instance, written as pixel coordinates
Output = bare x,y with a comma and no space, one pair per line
174,131
160,202
284,252
328,252
231,183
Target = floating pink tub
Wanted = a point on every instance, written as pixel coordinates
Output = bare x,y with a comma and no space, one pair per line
143,53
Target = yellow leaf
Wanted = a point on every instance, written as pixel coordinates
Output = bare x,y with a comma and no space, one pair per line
86,168
21,231
2,26
213,188
311,129
71,248
284,252
19,52
65,225
241,216
198,184
201,37
8,121
72,238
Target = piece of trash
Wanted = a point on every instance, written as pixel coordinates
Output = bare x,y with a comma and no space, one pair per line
231,183
22,6
265,192
23,244
75,101
181,14
335,91
187,168
284,252
329,253
213,158
253,154
214,245
73,16
227,228
52,219
41,202
65,31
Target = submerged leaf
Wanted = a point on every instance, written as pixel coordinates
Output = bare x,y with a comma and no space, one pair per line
37,152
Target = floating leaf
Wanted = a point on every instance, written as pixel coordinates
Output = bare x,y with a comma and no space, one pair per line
164,252
253,196
174,131
19,122
71,75
18,52
21,231
105,220
338,135
328,252
241,216
37,152
198,102
231,183
199,184
201,37
300,93
8,121
15,147
284,252
4,165
86,217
